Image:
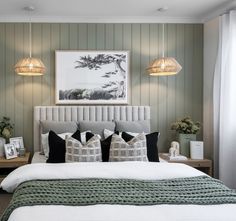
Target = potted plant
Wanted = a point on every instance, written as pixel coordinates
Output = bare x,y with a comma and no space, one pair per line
6,130
187,130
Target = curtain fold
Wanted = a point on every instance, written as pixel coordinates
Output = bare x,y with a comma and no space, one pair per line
225,102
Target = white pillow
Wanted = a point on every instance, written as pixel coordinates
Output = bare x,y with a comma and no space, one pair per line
108,133
45,144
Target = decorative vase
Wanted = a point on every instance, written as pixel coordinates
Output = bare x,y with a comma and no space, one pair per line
184,142
2,142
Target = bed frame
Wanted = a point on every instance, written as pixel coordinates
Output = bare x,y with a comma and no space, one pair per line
86,113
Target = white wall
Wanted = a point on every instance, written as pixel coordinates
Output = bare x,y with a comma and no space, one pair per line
211,37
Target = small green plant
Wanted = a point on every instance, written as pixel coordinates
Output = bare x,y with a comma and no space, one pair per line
6,128
186,126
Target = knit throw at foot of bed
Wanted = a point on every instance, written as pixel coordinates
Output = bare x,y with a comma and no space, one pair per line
202,190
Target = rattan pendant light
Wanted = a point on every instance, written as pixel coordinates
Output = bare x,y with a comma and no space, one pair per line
164,65
30,66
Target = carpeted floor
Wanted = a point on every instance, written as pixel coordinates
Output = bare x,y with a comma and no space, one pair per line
4,201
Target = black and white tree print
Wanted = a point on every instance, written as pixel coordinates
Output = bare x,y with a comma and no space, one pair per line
115,88
95,75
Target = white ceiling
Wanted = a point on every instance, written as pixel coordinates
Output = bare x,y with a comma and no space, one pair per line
189,11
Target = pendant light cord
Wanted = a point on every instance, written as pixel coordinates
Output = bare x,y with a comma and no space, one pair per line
163,40
30,40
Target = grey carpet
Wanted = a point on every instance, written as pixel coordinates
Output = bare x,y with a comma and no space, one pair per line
4,201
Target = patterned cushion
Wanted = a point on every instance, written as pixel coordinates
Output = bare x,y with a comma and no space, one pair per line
152,148
89,152
134,150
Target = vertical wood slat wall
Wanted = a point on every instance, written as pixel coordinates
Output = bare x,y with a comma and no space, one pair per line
169,97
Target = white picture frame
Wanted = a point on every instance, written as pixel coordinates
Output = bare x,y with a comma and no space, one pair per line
18,142
92,77
10,151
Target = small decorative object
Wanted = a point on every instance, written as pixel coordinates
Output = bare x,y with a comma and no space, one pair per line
175,145
6,130
187,130
92,77
2,142
196,150
10,151
172,152
19,143
21,152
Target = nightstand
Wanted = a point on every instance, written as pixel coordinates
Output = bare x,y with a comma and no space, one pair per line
6,166
204,165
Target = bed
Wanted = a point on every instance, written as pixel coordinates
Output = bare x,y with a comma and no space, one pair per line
162,184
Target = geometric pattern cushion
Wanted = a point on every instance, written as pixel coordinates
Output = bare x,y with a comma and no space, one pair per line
152,148
89,152
134,150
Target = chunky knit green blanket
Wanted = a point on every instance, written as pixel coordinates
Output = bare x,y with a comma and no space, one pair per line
200,190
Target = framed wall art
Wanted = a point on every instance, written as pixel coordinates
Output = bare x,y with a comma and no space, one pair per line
92,77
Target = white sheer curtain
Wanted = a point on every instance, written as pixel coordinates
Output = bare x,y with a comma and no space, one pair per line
225,102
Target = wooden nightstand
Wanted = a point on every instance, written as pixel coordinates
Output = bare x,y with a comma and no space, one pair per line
6,166
202,165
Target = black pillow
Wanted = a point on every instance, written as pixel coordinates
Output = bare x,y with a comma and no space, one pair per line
57,147
105,145
152,149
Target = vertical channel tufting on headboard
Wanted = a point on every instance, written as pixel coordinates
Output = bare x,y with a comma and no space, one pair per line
86,113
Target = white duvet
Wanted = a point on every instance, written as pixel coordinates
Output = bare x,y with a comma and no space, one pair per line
130,170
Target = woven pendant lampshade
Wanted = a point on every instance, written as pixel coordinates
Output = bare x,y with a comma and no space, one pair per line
164,66
30,66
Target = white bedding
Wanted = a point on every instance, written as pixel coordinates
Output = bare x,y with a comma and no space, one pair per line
40,158
131,170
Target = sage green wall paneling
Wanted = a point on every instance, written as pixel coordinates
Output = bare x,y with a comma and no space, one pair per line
2,70
127,45
82,36
171,80
73,36
197,68
145,52
188,67
36,52
46,80
64,37
180,84
100,36
162,92
169,97
92,36
135,67
154,53
55,45
118,36
28,98
10,75
109,35
19,81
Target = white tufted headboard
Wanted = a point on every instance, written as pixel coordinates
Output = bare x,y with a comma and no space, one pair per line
86,113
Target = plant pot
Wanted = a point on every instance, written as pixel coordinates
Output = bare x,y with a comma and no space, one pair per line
2,142
184,142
